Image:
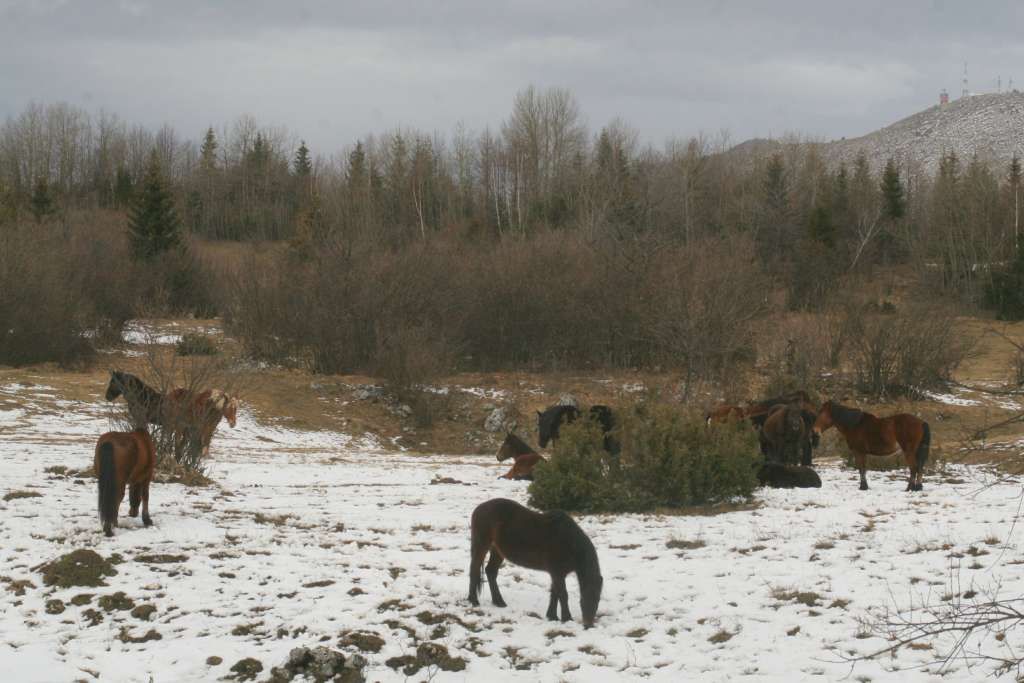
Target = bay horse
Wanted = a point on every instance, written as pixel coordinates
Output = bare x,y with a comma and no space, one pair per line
123,459
550,421
866,435
145,404
548,541
525,458
196,415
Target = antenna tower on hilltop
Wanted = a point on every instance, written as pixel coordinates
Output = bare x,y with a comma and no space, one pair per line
965,91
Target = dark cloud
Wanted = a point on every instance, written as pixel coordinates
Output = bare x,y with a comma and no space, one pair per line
331,71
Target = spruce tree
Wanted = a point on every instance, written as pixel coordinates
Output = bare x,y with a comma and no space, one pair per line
892,191
42,200
208,152
302,165
153,224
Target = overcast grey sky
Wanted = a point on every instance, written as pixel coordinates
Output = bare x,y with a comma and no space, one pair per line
332,71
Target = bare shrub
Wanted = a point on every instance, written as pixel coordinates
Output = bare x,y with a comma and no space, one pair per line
798,356
553,301
178,442
906,352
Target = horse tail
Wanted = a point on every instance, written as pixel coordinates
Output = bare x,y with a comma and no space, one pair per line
107,484
923,447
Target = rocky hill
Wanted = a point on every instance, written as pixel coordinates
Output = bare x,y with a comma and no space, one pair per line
991,126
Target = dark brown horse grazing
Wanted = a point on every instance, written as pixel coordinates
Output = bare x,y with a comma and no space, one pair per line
124,458
866,435
779,476
549,541
525,458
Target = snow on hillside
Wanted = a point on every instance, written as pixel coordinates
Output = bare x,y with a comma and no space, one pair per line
991,126
308,536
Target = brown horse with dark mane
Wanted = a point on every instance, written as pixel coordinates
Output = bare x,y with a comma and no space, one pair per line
866,435
195,415
124,459
723,413
525,458
549,541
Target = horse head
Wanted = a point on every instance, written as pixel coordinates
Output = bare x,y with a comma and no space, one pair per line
824,421
116,386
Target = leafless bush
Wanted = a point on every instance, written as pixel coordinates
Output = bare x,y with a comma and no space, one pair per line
552,301
797,356
178,442
906,352
966,623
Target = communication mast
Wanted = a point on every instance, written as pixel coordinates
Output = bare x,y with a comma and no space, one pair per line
965,91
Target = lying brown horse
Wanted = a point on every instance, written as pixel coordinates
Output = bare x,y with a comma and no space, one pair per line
866,435
525,458
124,458
549,541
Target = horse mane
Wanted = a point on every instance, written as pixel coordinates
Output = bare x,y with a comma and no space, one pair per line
847,418
583,550
520,446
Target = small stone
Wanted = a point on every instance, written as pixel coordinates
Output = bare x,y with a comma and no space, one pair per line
214,660
144,612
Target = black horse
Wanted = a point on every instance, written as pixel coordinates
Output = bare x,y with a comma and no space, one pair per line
550,420
780,476
145,403
549,541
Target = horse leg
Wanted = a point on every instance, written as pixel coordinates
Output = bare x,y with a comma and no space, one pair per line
563,598
552,613
475,563
862,466
146,519
134,498
492,577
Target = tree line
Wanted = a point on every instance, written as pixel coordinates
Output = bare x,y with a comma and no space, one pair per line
540,170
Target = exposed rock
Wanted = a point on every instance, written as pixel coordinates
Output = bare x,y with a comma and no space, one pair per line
144,612
118,601
367,392
320,664
246,669
568,400
501,419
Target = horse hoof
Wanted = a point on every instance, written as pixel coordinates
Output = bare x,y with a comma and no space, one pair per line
863,487
146,521
500,603
108,533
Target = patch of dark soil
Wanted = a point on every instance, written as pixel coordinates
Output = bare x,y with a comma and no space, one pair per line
77,568
82,599
427,654
144,612
318,584
93,616
246,669
118,601
16,586
125,637
22,494
214,660
161,558
681,544
54,606
362,640
447,480
395,604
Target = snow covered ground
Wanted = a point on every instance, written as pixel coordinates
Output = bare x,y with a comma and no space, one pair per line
308,535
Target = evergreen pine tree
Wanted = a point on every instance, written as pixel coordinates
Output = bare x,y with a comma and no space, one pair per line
42,200
1015,176
892,191
153,224
208,152
302,165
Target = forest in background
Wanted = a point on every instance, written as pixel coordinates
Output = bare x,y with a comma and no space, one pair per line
539,243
